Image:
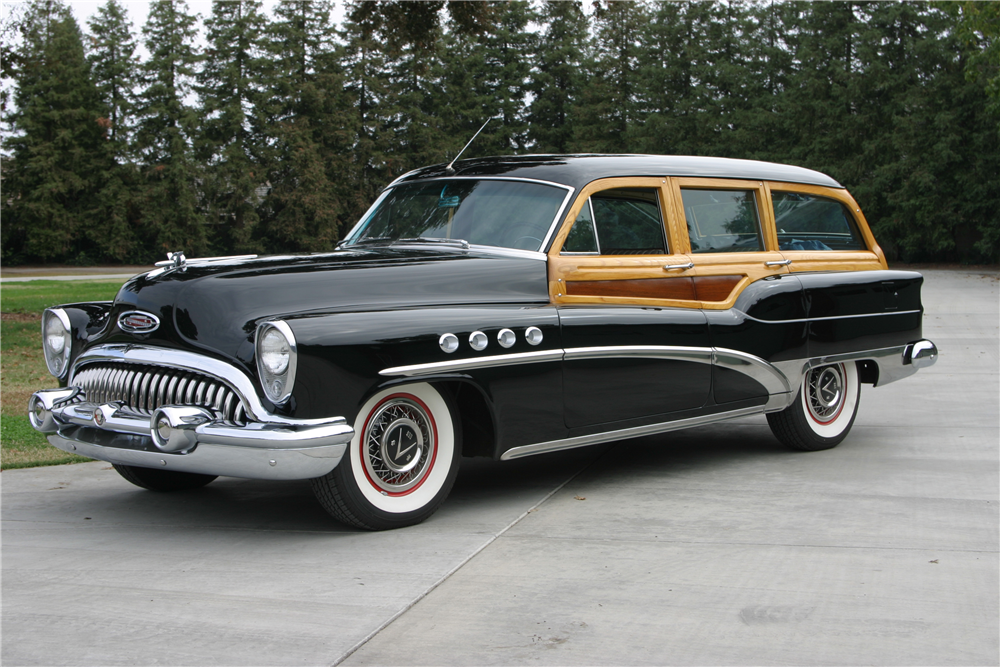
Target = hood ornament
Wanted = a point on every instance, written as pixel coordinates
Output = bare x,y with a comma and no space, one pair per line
174,259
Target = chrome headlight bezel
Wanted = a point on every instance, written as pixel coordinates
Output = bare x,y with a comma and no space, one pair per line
277,386
57,361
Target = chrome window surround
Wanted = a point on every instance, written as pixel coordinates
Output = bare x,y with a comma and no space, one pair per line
63,318
545,241
238,381
267,378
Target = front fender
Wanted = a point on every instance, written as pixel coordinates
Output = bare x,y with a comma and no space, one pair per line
342,356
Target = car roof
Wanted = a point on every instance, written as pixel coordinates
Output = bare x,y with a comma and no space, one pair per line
578,170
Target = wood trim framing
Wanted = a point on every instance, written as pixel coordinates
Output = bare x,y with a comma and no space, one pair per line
684,279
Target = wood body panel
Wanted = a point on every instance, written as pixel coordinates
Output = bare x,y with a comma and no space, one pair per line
713,281
695,288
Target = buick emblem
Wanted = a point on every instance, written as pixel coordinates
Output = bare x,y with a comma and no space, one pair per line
135,321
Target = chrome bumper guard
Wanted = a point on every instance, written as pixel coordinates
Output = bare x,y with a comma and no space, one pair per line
188,439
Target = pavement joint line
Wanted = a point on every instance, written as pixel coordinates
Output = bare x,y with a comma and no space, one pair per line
757,544
466,560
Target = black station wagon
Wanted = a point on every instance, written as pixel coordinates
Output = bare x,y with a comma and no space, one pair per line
498,307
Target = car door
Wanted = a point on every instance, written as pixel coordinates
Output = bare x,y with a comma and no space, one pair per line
725,227
636,340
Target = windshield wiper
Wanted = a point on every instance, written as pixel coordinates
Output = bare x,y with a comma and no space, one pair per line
369,240
430,239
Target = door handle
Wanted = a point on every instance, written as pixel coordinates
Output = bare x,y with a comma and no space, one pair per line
784,262
678,267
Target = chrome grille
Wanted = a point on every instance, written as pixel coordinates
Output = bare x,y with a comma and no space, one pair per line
144,388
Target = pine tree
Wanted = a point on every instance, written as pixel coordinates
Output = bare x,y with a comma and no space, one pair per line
115,68
231,138
57,142
508,50
115,65
368,87
557,81
608,113
170,200
307,112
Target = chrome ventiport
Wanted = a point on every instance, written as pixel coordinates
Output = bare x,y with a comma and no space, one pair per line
478,340
533,335
506,338
173,427
448,342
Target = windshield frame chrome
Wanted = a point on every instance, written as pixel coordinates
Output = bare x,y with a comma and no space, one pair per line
546,241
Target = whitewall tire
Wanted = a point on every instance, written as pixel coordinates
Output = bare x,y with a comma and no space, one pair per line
823,412
401,463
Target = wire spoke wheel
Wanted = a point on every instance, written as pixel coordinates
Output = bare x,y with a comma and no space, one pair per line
399,445
401,464
824,411
825,393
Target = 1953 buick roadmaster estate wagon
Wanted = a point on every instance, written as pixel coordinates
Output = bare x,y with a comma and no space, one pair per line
498,307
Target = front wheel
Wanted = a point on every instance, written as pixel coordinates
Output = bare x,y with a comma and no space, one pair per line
401,464
824,412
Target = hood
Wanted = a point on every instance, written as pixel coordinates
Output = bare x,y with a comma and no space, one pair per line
217,306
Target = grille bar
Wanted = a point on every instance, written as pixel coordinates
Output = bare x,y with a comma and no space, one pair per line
145,388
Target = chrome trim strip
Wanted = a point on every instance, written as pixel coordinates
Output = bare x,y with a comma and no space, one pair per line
240,383
767,374
634,432
701,355
453,365
824,319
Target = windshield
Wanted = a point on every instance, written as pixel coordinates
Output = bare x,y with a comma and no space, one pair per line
508,214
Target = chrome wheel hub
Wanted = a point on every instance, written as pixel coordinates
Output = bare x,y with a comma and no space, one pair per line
398,445
825,392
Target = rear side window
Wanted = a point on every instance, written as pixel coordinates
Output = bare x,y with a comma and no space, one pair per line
722,220
622,221
805,222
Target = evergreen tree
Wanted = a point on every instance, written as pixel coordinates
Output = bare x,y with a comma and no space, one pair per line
557,82
508,49
671,69
608,113
57,142
170,200
115,68
231,138
368,87
307,112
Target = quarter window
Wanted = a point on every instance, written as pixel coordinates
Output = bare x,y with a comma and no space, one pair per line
722,220
622,221
805,222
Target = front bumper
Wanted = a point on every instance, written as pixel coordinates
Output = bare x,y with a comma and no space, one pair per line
188,439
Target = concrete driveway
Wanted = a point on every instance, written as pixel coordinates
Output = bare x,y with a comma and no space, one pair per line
709,546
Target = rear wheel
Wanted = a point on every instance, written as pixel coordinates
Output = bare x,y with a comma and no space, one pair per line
401,464
162,480
824,412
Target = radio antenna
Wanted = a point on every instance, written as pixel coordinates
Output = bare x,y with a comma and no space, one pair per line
449,168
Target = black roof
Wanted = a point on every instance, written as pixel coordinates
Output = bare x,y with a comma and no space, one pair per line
578,170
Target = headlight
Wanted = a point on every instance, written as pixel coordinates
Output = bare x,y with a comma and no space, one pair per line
57,341
276,359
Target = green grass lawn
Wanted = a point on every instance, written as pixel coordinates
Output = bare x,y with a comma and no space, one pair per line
22,366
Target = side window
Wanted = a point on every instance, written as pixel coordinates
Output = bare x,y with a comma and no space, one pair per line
806,222
722,220
622,221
